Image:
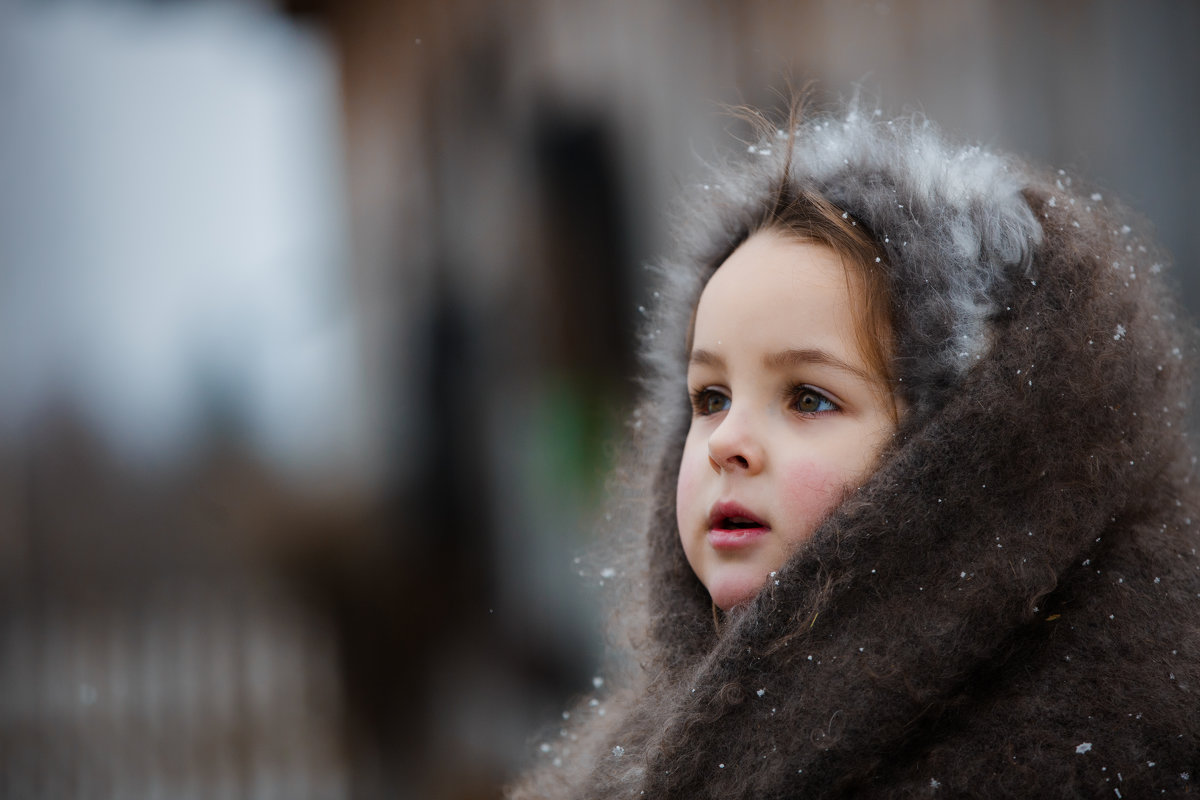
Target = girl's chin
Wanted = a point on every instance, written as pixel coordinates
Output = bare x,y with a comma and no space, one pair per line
730,592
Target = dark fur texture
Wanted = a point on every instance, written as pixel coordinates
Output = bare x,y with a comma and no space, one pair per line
1010,606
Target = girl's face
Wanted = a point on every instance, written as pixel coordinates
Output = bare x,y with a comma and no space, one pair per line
786,416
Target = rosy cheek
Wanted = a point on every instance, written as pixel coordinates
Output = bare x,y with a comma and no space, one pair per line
810,491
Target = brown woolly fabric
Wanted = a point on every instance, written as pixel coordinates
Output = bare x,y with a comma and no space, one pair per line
1010,605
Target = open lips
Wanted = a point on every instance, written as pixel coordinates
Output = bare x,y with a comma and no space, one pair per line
730,516
730,525
738,523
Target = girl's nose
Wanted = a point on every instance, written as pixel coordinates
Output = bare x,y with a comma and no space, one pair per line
734,445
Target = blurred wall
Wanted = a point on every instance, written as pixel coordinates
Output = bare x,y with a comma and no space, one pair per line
316,324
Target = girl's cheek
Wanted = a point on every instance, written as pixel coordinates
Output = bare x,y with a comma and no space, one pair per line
811,489
689,477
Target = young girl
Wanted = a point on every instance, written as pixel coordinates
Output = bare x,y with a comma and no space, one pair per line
917,514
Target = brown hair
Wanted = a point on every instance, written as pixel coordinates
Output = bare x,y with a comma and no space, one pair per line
810,217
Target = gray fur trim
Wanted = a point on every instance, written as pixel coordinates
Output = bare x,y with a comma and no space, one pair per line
951,220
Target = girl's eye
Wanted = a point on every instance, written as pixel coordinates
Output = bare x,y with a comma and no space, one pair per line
810,401
709,401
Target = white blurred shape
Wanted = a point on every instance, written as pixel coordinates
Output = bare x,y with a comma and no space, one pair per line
171,231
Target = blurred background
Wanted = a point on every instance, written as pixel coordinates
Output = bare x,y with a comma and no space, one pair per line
315,333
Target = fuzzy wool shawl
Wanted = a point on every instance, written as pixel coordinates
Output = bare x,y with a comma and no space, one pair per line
1009,606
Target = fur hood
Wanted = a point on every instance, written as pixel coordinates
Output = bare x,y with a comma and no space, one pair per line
1010,605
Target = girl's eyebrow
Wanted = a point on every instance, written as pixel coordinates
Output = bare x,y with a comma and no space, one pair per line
706,358
784,359
792,358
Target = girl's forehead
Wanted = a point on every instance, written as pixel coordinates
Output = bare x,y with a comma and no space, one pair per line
772,271
771,261
778,292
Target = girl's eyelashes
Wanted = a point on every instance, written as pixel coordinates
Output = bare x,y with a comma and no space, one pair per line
708,401
807,400
801,398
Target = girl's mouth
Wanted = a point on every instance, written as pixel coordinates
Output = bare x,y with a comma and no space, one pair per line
731,526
